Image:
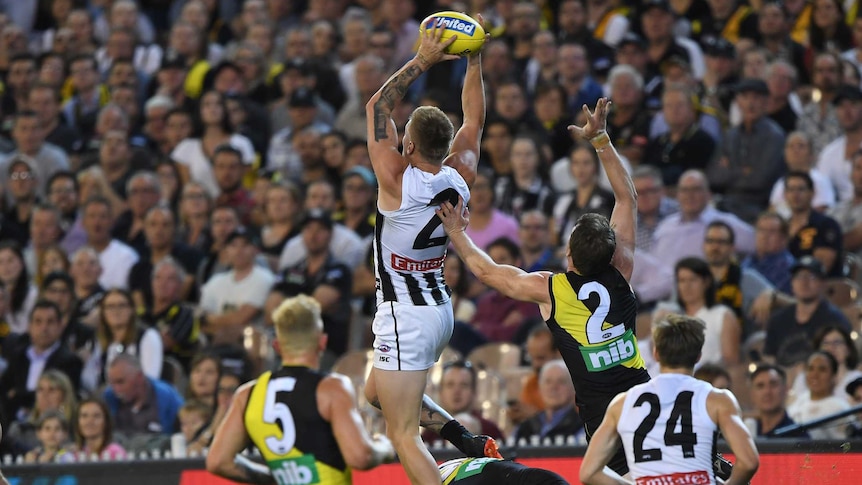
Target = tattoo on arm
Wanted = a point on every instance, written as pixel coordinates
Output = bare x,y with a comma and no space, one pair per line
392,92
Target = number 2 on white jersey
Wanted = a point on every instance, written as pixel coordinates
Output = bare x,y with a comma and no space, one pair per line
595,333
274,411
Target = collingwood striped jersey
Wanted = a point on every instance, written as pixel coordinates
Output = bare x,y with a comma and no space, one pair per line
410,243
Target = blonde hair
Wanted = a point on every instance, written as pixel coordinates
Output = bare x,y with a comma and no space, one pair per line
61,381
297,324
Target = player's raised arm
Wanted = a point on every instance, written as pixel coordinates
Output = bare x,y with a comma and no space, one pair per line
725,411
624,214
465,146
603,445
387,162
508,280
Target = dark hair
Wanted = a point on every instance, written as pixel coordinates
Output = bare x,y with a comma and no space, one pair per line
592,244
23,56
225,123
462,364
227,148
25,114
196,360
852,353
180,110
542,329
700,268
22,283
97,199
42,304
107,430
497,120
463,285
833,363
761,368
83,57
842,35
510,246
709,372
103,330
63,174
724,226
805,176
678,340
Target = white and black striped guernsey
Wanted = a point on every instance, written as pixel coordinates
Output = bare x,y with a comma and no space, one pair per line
410,243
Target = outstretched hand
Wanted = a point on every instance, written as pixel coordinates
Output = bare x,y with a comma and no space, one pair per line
484,25
454,219
597,120
432,47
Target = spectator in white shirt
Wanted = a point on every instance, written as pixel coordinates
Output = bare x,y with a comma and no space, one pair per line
116,257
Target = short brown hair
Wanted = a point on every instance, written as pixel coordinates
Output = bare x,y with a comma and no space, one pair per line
432,132
592,244
678,340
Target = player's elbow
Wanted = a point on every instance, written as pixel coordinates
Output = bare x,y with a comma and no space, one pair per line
361,457
747,463
215,464
586,475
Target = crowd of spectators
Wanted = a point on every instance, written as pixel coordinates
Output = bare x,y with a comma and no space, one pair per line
171,170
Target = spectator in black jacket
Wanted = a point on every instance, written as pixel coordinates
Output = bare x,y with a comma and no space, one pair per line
560,417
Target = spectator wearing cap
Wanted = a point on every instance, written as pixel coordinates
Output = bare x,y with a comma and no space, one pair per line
45,158
170,79
346,244
232,300
358,201
572,27
294,76
321,275
835,158
796,325
731,20
819,118
768,390
685,145
302,114
161,243
751,156
812,233
720,77
370,73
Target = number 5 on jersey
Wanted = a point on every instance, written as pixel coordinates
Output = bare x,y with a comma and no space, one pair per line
274,411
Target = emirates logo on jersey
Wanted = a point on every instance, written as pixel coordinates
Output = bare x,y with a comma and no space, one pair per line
406,264
689,478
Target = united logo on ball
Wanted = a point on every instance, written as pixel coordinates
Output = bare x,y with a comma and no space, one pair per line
469,33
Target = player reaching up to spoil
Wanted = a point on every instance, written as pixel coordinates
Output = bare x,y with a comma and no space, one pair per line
591,309
668,425
414,318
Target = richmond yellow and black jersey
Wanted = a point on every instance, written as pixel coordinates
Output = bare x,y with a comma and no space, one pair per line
593,322
282,420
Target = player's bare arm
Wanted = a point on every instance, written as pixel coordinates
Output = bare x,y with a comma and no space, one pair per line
465,147
724,410
336,402
624,215
603,445
508,280
387,162
230,439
